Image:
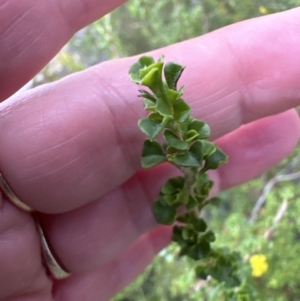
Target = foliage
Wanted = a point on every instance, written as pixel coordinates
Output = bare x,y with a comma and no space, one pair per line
140,26
182,199
172,278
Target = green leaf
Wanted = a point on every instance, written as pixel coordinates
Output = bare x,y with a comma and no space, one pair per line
172,73
192,203
174,141
164,213
201,272
201,128
134,72
224,271
199,224
150,127
163,106
173,95
187,233
181,110
214,160
209,236
203,249
215,201
149,105
150,78
192,157
147,95
201,178
177,234
153,124
173,185
152,154
199,251
170,199
191,136
135,69
185,217
146,60
208,148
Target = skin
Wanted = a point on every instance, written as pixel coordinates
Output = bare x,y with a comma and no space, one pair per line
71,149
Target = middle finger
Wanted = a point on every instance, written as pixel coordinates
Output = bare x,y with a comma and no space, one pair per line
75,140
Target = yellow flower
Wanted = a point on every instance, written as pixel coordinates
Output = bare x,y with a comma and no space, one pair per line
259,265
263,10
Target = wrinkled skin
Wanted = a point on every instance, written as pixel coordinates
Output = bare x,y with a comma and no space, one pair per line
71,149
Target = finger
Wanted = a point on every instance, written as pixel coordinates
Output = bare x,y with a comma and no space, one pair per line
78,137
21,270
93,235
32,32
106,281
283,129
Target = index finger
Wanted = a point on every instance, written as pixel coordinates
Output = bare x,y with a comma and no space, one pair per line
70,142
33,31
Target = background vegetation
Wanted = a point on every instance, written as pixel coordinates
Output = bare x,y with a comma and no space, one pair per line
273,229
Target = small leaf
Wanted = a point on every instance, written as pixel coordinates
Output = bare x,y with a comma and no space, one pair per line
183,127
203,249
134,72
146,60
164,213
152,154
173,185
150,127
224,269
171,150
150,78
135,69
177,234
147,95
201,128
201,178
149,70
215,201
191,136
170,199
153,124
164,107
173,94
172,73
149,105
192,157
174,141
192,203
181,110
208,148
201,272
185,217
187,233
209,236
199,224
214,160
199,251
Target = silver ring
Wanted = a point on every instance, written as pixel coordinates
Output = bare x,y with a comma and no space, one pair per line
56,270
12,197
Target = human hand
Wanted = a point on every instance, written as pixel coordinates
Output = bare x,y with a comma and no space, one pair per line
71,149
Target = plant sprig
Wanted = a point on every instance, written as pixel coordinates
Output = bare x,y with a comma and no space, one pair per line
181,199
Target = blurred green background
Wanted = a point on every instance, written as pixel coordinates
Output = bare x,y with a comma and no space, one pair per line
273,230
